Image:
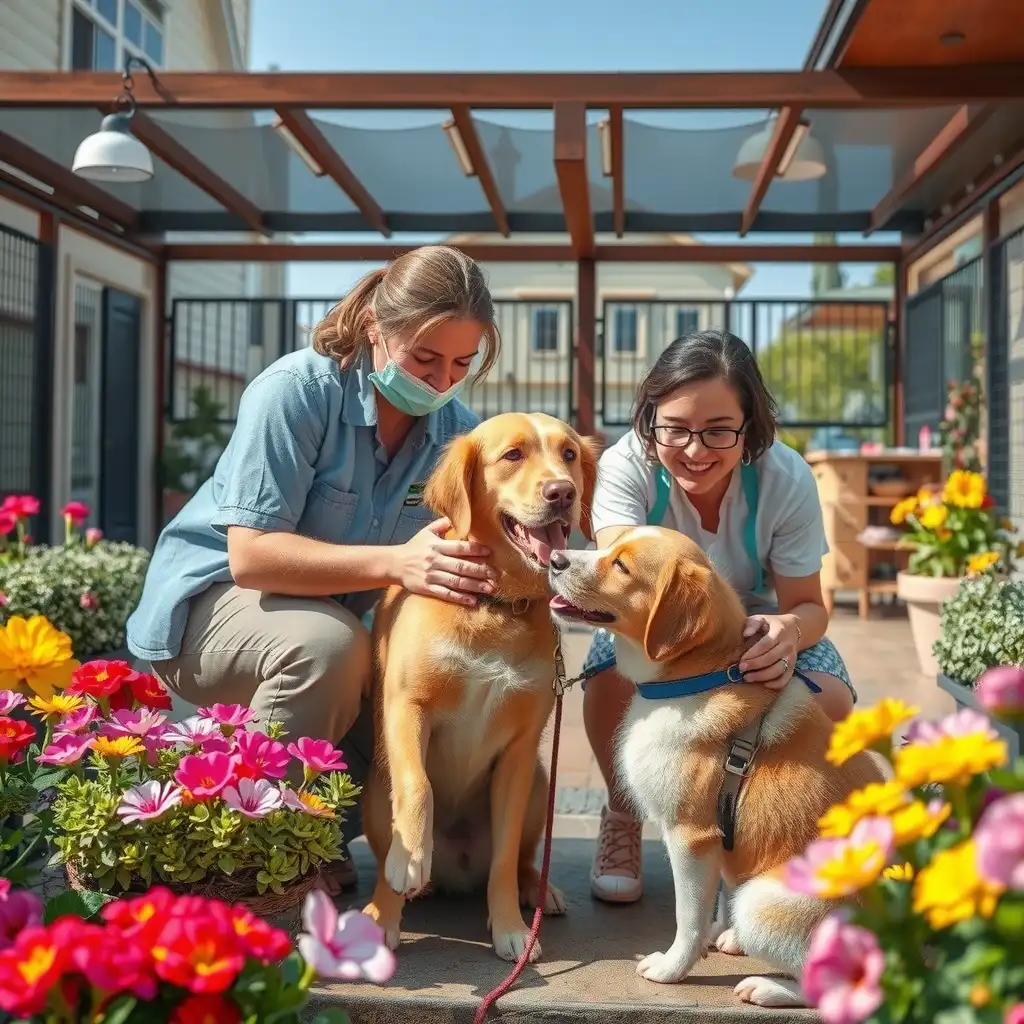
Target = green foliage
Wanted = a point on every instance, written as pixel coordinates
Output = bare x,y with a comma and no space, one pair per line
194,445
982,626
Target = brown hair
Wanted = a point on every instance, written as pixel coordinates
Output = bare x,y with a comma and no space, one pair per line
709,355
415,293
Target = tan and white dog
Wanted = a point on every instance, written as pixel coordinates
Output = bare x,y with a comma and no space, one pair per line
457,793
675,619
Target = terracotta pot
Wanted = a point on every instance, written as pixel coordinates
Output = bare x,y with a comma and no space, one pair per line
923,596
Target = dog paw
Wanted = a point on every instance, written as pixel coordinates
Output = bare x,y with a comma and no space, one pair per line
392,929
554,900
664,968
727,942
770,992
407,871
509,945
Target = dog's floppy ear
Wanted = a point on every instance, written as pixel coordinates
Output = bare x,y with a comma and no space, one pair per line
450,487
680,612
590,448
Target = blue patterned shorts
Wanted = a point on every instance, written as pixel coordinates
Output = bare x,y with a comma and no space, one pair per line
820,657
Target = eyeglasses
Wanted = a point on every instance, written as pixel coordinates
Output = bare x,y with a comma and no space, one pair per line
711,437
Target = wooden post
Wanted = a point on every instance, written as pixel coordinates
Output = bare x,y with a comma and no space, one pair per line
899,347
160,385
586,346
993,419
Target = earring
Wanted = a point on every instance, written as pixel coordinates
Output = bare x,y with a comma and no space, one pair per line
746,459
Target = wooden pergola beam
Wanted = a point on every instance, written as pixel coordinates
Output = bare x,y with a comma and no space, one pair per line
616,131
65,183
571,172
538,253
851,88
786,125
161,143
481,166
316,145
958,130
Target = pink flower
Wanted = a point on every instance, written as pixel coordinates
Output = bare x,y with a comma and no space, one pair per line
255,798
76,512
205,775
348,946
88,601
842,971
193,732
233,715
9,700
964,722
21,506
93,536
260,757
1015,1014
1001,690
999,840
132,723
78,721
836,868
19,909
8,523
67,748
148,800
317,755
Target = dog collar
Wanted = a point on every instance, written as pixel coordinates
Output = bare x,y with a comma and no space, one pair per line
689,685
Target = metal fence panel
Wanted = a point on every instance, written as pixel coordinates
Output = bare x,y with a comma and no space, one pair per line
1011,431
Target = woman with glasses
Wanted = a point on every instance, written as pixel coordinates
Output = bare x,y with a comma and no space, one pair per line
702,458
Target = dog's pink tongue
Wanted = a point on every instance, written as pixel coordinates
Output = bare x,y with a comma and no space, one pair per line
546,539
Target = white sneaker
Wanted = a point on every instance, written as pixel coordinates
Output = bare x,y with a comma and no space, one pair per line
616,875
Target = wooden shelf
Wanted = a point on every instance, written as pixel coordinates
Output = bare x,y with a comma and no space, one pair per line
882,586
884,545
874,499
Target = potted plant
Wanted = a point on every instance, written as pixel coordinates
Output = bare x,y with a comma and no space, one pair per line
191,451
982,636
87,587
951,531
926,872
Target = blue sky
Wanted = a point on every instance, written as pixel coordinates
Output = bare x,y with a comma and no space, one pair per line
535,35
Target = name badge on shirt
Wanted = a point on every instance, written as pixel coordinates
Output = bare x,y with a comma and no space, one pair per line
415,496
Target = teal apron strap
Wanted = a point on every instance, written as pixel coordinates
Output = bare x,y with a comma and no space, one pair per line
751,491
663,482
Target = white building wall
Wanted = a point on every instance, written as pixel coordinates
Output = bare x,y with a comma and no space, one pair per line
30,34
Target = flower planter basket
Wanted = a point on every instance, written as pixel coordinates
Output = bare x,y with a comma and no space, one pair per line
965,697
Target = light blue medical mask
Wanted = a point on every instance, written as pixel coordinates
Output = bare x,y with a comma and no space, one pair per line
408,393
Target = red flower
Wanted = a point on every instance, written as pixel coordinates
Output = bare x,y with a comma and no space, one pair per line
149,691
14,737
21,506
29,970
111,963
101,679
259,939
8,522
206,1010
200,952
76,511
988,501
205,775
141,918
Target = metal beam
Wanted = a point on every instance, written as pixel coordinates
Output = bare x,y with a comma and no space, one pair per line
254,252
865,88
463,118
782,134
957,131
316,145
571,172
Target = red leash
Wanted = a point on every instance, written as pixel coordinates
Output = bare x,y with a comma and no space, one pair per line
542,893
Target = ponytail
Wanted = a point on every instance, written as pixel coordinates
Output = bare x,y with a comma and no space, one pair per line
342,333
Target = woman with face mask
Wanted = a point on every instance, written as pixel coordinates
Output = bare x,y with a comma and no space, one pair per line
257,590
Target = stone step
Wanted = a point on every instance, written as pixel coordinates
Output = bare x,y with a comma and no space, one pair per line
587,972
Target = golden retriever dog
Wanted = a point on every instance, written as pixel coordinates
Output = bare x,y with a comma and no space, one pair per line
457,795
674,618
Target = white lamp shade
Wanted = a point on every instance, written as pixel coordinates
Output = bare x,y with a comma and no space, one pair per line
807,163
113,154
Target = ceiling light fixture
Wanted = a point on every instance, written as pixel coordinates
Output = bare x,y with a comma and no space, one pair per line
296,147
451,129
803,160
113,153
604,132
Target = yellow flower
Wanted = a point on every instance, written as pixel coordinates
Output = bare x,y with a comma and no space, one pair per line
934,516
953,759
1020,550
979,563
950,889
907,507
57,706
34,653
861,730
118,746
980,995
899,872
315,805
879,798
964,489
918,821
927,496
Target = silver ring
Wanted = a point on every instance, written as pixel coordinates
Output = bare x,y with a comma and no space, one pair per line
785,664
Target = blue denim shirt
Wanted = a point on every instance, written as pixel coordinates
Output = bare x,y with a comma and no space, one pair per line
303,458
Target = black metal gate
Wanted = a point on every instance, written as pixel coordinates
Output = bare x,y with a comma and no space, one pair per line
828,362
218,345
26,367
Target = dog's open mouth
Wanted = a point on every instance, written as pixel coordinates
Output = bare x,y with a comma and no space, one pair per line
568,610
537,542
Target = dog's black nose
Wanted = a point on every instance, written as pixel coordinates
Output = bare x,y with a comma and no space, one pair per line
560,493
559,560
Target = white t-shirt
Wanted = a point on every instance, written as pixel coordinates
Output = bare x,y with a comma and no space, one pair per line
790,529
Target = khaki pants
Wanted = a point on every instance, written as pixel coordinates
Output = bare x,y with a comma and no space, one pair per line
301,661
